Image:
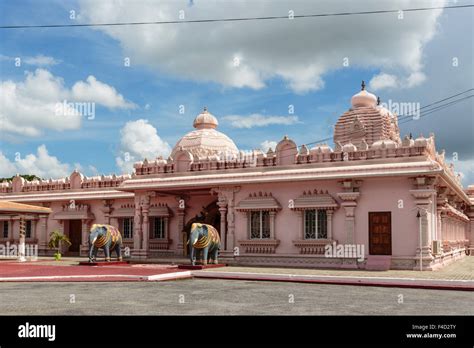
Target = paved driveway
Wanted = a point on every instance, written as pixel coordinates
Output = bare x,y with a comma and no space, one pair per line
213,297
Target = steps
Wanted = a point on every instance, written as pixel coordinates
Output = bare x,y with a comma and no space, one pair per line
378,262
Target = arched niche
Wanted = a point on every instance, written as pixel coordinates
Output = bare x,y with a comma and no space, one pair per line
286,152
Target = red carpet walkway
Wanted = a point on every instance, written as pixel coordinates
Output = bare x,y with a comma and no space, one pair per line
29,271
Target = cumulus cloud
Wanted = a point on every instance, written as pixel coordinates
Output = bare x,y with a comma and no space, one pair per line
139,140
249,54
31,106
267,144
41,164
258,120
387,81
101,93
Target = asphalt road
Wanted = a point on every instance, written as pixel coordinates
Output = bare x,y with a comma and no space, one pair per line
225,297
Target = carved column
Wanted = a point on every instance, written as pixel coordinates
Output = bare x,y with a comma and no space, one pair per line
329,214
222,204
85,227
145,224
229,194
300,215
272,224
349,203
423,201
107,209
181,221
43,233
137,221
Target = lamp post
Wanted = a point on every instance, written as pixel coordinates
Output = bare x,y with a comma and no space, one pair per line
418,215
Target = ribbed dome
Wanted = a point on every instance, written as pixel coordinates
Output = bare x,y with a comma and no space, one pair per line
205,140
366,123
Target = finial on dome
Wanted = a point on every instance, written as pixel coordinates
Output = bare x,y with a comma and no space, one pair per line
378,100
205,109
362,86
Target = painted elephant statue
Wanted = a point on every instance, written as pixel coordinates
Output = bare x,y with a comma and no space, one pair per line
204,243
106,237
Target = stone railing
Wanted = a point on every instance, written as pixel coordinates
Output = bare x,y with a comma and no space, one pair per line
18,184
319,154
259,246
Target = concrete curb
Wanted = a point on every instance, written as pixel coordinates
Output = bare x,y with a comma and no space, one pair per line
170,276
463,285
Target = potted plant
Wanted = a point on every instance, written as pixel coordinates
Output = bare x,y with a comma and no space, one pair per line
55,240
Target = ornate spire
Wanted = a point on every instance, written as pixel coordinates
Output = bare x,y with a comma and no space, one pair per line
378,100
362,86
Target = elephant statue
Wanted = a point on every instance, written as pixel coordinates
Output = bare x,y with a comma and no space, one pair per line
106,237
204,241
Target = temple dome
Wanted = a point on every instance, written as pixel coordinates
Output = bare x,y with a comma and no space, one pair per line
366,122
205,140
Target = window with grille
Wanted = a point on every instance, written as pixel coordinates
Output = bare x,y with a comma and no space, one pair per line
259,225
315,224
5,229
127,228
28,229
158,228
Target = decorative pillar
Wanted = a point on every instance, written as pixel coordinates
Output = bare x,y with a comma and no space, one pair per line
222,204
181,220
15,236
145,224
227,194
43,234
107,209
329,214
167,233
423,201
300,215
272,224
84,250
137,221
349,203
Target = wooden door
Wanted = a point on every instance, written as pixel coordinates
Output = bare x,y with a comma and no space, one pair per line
75,231
380,233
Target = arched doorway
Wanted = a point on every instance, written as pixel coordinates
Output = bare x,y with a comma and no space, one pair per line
209,215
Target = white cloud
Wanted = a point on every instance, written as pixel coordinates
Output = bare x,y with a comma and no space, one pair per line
382,81
29,107
249,54
99,92
139,140
386,81
41,164
267,144
41,60
258,120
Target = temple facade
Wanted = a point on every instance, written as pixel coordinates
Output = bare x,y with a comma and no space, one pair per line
374,201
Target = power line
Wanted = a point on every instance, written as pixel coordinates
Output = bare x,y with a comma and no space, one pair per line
316,15
404,118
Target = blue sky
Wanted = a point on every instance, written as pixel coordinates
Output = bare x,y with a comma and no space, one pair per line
165,74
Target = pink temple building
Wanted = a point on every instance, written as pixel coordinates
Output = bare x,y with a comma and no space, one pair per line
395,199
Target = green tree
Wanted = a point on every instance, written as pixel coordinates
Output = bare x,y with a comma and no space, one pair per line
55,240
